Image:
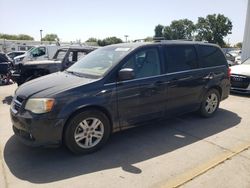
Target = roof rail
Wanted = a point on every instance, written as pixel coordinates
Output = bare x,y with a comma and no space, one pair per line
158,39
162,39
155,39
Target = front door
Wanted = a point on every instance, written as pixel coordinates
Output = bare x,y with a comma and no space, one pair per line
142,98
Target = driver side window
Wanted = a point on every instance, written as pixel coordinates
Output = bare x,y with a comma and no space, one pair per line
145,63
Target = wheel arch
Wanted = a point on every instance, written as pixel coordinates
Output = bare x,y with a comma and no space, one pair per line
85,108
218,88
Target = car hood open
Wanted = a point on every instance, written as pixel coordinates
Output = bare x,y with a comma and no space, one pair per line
241,69
46,86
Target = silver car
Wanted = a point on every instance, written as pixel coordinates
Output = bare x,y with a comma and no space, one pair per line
240,77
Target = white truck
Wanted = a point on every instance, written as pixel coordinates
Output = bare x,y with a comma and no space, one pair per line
41,52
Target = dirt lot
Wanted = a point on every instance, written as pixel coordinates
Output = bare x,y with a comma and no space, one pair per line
186,151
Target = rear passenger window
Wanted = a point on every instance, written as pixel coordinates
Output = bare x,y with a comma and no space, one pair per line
180,58
211,56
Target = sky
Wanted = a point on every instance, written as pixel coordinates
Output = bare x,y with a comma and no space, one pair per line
80,19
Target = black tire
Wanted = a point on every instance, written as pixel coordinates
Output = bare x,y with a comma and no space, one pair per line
205,106
73,126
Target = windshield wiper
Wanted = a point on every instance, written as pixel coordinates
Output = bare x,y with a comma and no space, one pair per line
74,73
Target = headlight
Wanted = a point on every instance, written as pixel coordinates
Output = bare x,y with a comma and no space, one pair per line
40,105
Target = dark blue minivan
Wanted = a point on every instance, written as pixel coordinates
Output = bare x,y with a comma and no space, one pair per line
119,86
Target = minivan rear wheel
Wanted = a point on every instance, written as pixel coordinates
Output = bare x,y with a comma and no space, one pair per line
210,103
87,132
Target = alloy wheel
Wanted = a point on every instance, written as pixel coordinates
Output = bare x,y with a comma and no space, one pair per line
89,132
211,103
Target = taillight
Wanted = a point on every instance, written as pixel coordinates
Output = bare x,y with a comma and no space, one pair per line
229,72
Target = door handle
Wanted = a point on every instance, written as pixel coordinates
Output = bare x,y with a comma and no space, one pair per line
210,76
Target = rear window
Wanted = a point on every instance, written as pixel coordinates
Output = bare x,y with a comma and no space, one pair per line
211,56
180,58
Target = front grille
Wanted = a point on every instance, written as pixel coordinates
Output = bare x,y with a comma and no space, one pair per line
239,81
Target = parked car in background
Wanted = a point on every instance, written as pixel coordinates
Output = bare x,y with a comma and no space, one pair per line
230,63
4,58
236,54
117,87
230,57
13,54
63,58
5,67
240,78
41,52
238,59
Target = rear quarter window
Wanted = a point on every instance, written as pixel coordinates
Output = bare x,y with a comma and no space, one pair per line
211,56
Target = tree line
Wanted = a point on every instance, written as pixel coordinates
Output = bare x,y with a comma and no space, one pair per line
47,37
106,41
15,37
213,28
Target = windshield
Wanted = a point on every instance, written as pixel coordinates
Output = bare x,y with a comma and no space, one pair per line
247,62
60,54
100,61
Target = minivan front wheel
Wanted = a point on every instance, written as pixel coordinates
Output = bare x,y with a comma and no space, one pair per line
87,131
210,103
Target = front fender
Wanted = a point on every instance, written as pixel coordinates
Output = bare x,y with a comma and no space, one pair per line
104,100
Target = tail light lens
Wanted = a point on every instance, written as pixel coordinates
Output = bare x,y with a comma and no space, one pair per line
229,72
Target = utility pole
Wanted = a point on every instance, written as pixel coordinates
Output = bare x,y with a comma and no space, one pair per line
126,38
41,35
4,46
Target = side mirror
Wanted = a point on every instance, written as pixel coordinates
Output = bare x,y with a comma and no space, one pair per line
126,74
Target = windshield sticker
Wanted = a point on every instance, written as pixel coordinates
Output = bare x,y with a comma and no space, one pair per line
122,49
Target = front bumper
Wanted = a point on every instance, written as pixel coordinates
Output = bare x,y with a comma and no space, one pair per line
37,131
240,84
240,90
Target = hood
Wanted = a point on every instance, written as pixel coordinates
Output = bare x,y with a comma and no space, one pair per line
41,62
241,69
46,86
